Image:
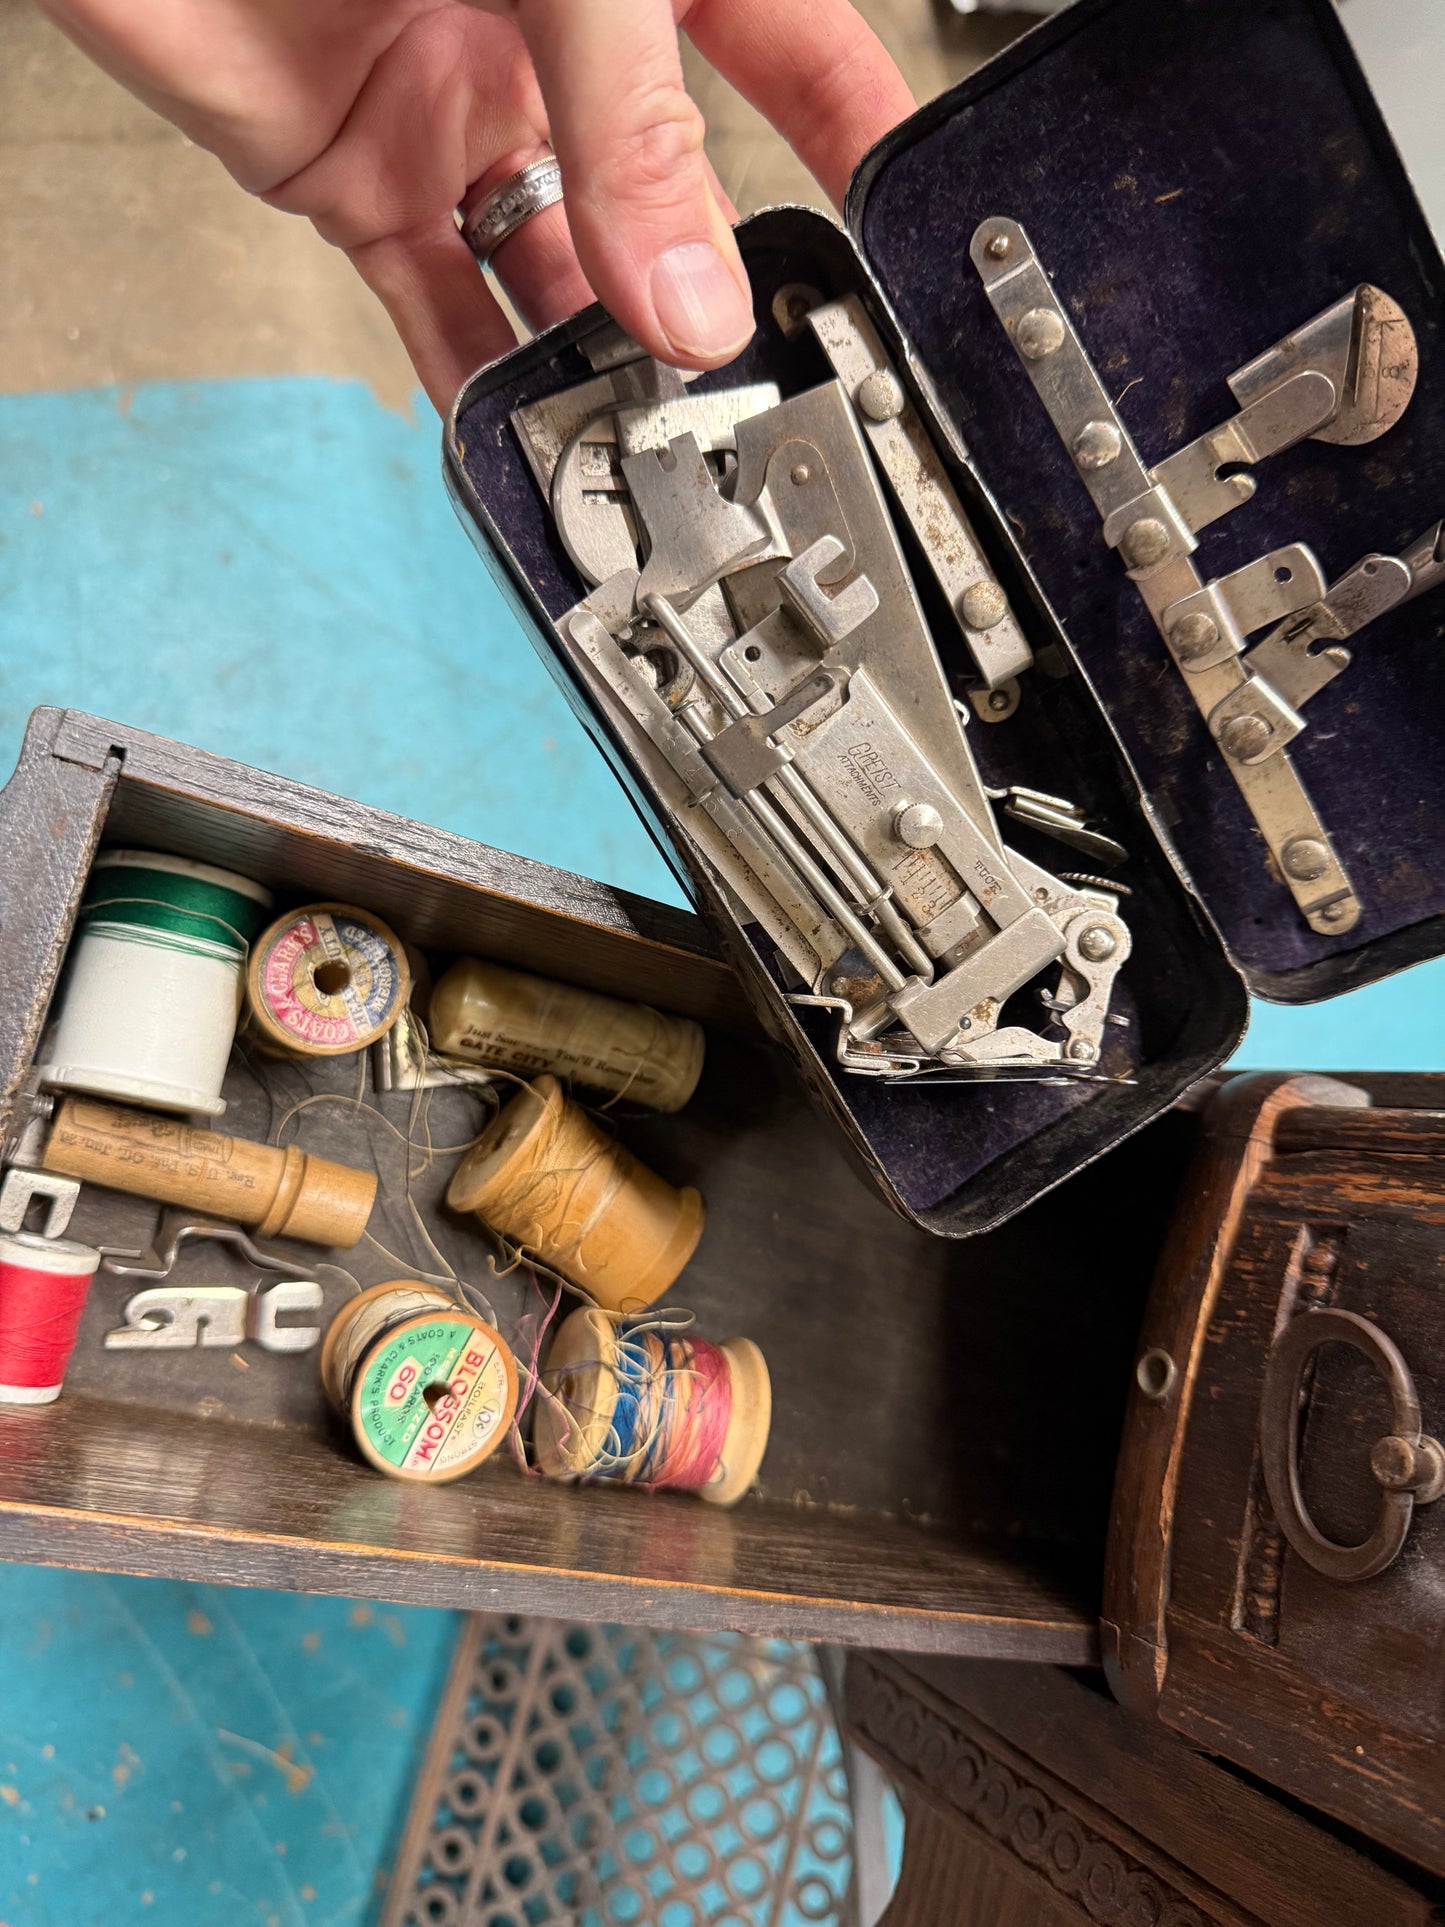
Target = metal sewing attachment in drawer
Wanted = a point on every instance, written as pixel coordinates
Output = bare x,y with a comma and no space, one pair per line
178,1318
1346,376
755,637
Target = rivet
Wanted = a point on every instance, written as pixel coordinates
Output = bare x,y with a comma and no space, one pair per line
1082,1050
1145,542
918,825
999,247
1245,736
1098,943
998,700
1194,635
1334,913
800,475
1039,333
880,395
1156,1374
982,605
1097,444
1305,859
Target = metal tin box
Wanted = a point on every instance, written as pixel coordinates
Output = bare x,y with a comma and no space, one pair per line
1199,199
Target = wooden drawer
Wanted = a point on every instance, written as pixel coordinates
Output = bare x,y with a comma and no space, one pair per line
1304,1282
1034,1801
906,1498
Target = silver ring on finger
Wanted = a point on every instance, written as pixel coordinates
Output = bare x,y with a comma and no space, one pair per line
508,206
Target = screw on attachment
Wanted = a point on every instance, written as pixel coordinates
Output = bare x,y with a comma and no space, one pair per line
1245,737
880,395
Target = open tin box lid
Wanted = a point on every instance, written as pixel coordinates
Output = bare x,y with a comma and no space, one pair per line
1198,179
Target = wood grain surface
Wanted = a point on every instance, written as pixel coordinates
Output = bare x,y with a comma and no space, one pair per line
1330,1689
1033,1798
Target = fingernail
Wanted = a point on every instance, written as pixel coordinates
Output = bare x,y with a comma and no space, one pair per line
699,305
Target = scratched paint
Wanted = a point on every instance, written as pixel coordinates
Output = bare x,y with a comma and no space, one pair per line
271,569
201,1755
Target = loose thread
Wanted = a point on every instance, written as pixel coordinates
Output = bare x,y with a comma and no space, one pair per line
670,1409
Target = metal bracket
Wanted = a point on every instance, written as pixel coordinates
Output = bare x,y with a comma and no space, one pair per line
744,754
1346,376
163,1318
21,1188
831,618
1209,626
920,484
1154,540
1303,655
1274,421
695,535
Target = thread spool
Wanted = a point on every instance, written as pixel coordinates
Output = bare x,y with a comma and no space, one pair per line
284,1193
153,982
545,1176
44,1283
428,1387
644,1406
513,1021
326,979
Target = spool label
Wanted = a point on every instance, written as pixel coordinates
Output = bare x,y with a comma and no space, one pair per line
434,1397
338,1020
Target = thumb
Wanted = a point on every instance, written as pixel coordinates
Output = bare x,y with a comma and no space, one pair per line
648,229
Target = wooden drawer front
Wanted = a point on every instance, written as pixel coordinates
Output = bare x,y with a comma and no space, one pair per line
1319,1331
1034,1801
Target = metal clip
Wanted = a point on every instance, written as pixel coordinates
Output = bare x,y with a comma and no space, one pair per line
1056,816
163,1318
1346,377
1208,627
22,1187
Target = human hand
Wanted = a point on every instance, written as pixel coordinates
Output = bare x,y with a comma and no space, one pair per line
374,117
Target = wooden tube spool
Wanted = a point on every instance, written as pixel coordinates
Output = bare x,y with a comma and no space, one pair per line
284,1193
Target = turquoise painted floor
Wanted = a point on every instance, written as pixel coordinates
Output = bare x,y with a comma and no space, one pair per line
271,569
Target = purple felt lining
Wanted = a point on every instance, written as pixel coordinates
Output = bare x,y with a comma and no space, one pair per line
1199,177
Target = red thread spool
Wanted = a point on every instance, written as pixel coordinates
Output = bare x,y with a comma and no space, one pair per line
44,1283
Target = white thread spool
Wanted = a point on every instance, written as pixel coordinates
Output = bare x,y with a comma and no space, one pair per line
154,982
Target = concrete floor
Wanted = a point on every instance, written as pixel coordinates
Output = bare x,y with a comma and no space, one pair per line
220,518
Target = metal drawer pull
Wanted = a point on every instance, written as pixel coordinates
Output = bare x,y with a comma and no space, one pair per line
1407,1464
